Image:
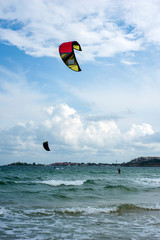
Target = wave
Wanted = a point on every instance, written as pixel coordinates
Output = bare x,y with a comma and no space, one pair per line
2,183
120,209
74,211
89,181
121,187
7,182
63,182
129,208
18,182
47,182
2,211
79,211
70,182
151,182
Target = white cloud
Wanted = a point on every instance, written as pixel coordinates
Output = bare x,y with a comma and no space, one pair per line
139,131
67,126
67,131
64,125
103,28
127,62
49,110
144,16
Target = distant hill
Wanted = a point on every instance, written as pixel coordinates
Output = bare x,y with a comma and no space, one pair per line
143,162
136,162
24,164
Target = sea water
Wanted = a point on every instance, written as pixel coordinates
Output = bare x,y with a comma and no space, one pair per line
79,203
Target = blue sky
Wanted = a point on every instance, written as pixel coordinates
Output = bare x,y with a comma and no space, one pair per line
109,111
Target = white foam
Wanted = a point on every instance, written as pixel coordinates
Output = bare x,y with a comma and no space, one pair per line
89,210
150,206
2,211
39,211
63,182
154,182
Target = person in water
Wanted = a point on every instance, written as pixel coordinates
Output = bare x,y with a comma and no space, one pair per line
119,171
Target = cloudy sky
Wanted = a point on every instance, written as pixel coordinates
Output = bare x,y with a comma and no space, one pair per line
108,112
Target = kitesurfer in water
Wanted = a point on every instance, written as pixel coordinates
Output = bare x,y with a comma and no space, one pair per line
119,171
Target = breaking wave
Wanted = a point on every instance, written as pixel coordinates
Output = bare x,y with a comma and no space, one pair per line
80,211
120,209
63,182
150,182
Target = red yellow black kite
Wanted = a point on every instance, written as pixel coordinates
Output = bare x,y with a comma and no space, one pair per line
67,54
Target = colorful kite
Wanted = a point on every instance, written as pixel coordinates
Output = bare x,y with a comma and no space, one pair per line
67,54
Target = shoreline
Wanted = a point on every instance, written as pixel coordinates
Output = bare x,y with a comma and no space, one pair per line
137,162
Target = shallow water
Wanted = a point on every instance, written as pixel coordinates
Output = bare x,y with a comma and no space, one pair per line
79,203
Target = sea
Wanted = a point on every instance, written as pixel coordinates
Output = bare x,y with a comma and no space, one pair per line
79,203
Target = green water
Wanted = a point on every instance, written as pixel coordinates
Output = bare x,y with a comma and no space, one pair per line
79,203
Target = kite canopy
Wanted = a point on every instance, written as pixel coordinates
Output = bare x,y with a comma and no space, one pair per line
67,54
46,147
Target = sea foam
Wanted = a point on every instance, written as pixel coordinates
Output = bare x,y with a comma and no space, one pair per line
152,182
63,182
85,210
1,211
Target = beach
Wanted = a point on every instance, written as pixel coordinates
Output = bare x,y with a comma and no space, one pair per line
80,203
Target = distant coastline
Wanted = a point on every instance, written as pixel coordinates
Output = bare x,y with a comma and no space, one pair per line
143,162
136,162
23,164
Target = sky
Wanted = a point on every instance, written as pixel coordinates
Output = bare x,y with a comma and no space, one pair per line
109,112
